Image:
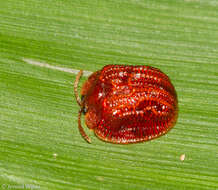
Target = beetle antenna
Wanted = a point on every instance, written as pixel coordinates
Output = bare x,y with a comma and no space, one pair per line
76,87
81,130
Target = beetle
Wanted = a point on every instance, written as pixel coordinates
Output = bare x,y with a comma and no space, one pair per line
127,104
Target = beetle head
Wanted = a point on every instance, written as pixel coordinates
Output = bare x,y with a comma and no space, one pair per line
88,102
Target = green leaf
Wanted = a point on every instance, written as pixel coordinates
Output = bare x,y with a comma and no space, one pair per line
40,145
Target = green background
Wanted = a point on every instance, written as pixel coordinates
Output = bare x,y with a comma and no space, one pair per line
38,111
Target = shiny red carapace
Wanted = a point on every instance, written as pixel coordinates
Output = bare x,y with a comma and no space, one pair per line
127,104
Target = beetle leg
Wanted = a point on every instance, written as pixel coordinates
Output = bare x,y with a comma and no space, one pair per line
76,87
81,130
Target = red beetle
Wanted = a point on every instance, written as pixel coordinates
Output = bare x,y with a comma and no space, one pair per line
127,104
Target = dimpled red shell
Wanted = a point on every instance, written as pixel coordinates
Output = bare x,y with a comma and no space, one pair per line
130,104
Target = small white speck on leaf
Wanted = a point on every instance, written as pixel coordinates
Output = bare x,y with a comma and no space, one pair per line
100,178
182,157
55,155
